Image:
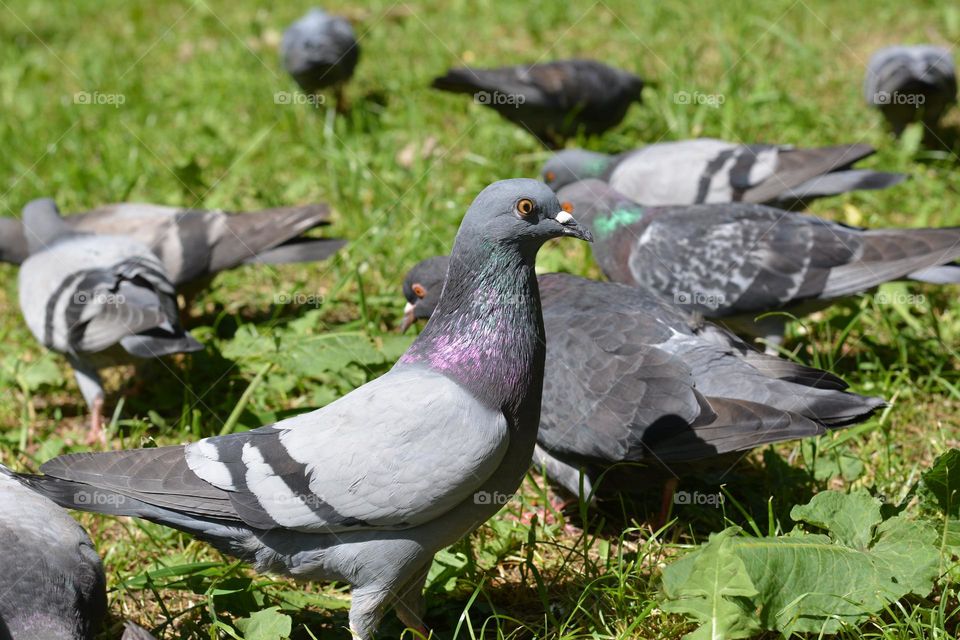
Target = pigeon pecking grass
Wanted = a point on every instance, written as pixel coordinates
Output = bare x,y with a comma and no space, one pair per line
706,170
320,50
196,244
551,100
53,582
639,390
99,300
734,262
911,83
367,489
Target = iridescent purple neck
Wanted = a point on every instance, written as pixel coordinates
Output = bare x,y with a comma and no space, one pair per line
487,331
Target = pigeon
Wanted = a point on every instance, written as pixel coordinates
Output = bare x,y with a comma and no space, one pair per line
552,100
99,300
706,170
366,489
54,586
733,262
320,50
631,377
911,83
196,244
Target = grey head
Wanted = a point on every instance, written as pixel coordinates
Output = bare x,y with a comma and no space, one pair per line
13,246
902,68
42,225
572,165
422,288
320,50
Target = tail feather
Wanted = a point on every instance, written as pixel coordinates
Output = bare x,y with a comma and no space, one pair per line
943,274
838,182
299,250
248,234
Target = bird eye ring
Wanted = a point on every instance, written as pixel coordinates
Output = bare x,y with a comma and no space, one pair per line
550,176
525,207
419,290
567,206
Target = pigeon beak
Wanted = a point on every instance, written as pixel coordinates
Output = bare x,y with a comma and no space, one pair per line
408,318
573,228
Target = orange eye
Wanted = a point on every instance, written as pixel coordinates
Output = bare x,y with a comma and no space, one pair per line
525,207
550,176
418,290
567,206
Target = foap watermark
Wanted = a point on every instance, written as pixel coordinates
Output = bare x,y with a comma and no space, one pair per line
699,298
95,498
498,98
900,297
299,299
486,497
713,100
98,297
898,97
698,498
98,98
298,97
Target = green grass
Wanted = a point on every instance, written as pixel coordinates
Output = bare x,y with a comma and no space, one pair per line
199,127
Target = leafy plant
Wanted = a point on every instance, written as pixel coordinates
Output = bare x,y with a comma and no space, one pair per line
842,563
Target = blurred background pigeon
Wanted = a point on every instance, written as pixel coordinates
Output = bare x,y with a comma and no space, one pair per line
53,582
709,170
320,50
737,261
910,84
551,100
196,244
367,489
96,299
632,378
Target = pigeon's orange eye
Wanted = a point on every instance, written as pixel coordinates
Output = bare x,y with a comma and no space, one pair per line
525,207
550,176
419,290
567,206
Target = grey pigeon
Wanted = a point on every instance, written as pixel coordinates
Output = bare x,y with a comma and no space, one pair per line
99,300
367,489
320,50
552,100
911,83
736,261
196,244
631,377
707,170
53,585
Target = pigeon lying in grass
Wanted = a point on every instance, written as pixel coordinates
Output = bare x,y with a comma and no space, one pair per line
707,170
632,378
53,582
911,83
736,261
196,244
320,51
368,488
99,300
552,100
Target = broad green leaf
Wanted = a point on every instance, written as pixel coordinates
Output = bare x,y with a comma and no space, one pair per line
447,566
268,624
942,481
713,587
851,518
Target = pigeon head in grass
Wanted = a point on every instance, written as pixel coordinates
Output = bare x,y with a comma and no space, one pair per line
368,488
571,165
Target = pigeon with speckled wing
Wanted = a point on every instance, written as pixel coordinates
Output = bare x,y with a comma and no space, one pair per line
196,244
737,261
99,300
368,488
551,100
632,378
53,582
320,50
911,83
706,170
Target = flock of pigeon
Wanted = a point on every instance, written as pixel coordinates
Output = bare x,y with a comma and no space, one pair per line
698,239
